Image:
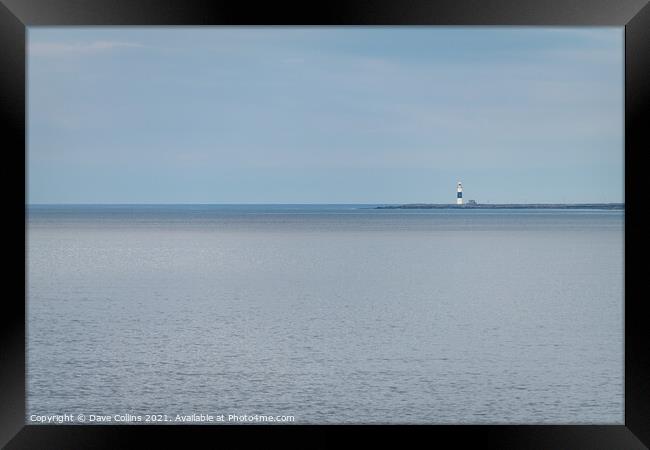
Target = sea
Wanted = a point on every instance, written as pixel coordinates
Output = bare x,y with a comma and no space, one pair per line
322,314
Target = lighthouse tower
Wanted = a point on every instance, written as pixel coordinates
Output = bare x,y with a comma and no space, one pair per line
459,193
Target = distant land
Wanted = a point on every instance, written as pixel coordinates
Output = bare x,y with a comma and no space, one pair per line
617,206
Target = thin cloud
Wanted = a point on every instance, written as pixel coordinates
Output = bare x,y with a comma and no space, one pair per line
77,48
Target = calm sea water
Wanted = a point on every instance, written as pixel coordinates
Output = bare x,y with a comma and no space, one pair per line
329,313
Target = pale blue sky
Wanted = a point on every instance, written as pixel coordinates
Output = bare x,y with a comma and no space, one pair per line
324,115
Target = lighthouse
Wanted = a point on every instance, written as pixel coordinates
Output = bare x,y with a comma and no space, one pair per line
459,193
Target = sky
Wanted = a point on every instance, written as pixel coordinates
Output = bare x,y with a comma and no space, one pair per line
325,114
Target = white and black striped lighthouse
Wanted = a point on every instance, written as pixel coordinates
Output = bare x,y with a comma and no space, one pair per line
459,193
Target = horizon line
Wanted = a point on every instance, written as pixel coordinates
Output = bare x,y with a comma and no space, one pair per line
315,203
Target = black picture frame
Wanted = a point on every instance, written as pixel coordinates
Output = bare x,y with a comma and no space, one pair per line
16,15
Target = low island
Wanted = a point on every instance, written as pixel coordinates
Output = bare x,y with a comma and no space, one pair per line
607,206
